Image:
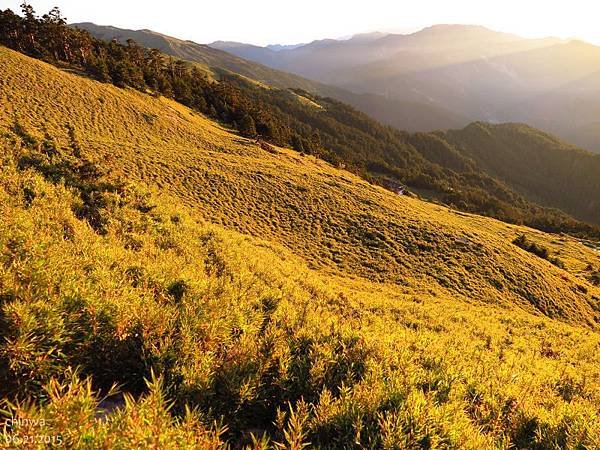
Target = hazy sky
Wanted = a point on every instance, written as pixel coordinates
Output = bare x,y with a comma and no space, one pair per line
271,21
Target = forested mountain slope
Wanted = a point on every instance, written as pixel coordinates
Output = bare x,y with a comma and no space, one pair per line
542,167
271,293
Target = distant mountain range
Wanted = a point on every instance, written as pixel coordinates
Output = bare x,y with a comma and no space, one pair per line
405,115
472,71
436,46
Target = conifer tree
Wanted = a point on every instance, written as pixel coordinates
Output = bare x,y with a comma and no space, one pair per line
247,126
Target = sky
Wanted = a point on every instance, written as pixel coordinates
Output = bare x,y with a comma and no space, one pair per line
264,22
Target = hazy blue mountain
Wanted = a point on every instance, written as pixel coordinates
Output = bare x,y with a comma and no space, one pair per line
435,46
279,47
469,70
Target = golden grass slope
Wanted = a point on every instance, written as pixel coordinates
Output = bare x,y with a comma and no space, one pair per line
332,219
437,370
434,314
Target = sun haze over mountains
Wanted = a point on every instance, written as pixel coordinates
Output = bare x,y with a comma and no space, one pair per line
264,22
469,70
333,245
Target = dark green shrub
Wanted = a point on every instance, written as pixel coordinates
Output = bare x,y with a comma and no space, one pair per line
522,242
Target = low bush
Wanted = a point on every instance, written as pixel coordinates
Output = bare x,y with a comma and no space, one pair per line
529,246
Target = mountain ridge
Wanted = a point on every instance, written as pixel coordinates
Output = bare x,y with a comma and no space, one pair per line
536,163
405,115
476,72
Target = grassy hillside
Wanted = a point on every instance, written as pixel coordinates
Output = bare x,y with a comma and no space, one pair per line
286,301
311,124
358,227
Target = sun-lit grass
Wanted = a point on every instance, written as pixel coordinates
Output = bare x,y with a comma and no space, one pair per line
240,297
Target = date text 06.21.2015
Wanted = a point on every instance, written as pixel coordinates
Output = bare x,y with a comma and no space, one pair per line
33,439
